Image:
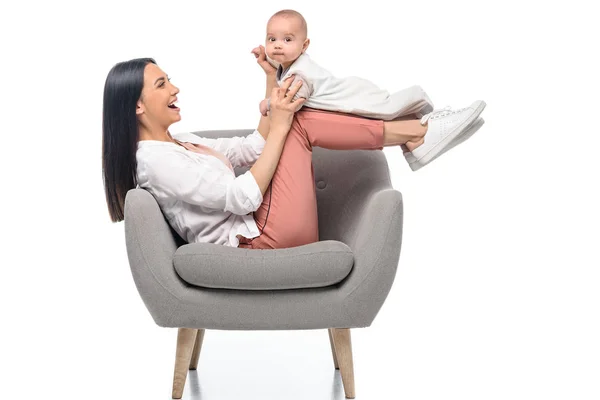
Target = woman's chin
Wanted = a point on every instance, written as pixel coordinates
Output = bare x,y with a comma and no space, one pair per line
175,115
173,119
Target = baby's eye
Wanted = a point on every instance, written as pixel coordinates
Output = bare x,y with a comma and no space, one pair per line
288,39
271,39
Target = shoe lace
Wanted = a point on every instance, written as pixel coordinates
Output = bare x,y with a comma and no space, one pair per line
439,113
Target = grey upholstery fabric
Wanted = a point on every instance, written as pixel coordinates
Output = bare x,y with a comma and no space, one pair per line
357,206
313,265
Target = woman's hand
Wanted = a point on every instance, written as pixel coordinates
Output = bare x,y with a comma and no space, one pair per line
261,59
283,108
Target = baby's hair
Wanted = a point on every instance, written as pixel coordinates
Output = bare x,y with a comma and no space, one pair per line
292,14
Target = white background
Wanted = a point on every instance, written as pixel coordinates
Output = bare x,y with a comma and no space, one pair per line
497,291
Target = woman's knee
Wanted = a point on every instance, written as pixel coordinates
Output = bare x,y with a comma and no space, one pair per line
297,130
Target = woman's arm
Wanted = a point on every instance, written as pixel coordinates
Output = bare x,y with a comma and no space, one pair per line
264,124
242,151
271,74
280,120
264,168
170,175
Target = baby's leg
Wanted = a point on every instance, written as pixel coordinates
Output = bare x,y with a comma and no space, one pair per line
383,105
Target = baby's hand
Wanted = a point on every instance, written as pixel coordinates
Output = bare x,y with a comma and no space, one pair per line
264,107
261,58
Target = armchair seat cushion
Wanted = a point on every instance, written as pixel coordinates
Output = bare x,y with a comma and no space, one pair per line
313,265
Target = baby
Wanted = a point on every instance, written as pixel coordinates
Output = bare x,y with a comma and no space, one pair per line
285,48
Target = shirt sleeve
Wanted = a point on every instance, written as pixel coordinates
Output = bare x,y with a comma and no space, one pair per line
241,151
177,175
305,90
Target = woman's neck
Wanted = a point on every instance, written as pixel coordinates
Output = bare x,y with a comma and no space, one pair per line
155,134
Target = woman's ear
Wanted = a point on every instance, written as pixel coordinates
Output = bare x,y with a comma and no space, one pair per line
139,108
305,45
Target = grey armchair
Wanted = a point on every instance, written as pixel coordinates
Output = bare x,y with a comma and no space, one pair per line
337,284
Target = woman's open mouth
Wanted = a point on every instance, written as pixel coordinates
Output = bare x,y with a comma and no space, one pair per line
172,106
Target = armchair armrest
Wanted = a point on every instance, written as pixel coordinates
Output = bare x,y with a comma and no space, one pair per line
378,217
374,233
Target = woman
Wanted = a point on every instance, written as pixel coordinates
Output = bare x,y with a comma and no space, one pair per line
192,178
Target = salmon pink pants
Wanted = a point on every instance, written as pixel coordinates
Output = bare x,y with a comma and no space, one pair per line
292,217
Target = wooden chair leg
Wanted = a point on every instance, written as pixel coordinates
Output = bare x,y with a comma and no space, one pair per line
335,361
343,350
197,347
185,345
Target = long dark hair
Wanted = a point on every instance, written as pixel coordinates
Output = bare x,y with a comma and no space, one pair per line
120,134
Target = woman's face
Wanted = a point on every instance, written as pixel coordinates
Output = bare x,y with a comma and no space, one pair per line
156,108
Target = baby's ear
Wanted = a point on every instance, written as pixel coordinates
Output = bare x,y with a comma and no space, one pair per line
306,44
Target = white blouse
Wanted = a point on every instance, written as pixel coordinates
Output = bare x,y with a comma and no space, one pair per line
199,195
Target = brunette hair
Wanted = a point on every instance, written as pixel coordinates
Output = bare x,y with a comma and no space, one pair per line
120,133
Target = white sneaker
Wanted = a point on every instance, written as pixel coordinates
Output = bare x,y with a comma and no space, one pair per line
444,126
471,129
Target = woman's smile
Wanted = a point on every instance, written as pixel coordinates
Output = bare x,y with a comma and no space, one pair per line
172,105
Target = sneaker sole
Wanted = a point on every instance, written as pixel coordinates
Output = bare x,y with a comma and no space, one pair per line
415,165
467,133
439,147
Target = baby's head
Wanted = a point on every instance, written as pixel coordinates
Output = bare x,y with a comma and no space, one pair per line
286,37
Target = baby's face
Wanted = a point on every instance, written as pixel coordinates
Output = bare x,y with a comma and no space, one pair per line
285,40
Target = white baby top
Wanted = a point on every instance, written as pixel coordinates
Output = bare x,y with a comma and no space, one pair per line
352,94
199,195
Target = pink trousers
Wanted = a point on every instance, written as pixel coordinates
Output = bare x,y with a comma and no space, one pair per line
292,217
